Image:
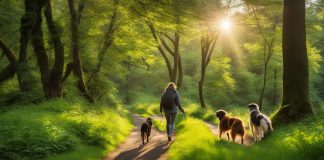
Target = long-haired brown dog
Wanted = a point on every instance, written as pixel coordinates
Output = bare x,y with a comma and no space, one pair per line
234,125
146,129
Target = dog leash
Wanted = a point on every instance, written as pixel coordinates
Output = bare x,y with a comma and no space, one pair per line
156,130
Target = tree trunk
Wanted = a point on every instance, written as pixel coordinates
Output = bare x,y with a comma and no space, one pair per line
56,74
207,43
156,38
39,49
20,66
296,103
263,88
175,58
201,88
51,79
75,37
180,70
108,41
176,72
25,78
264,75
274,95
128,82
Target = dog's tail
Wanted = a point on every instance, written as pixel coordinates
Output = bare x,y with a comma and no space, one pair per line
265,123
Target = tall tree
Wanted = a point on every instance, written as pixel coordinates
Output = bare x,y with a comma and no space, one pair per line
107,41
175,71
266,19
168,43
75,65
20,65
23,70
208,41
295,103
51,78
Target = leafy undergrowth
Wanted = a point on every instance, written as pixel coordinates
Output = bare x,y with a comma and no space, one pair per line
59,129
303,140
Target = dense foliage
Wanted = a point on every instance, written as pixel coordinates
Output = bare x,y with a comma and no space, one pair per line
121,59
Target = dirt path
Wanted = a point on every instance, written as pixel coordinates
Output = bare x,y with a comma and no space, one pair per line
133,149
248,139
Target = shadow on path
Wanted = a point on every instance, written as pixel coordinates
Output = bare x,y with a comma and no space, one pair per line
133,149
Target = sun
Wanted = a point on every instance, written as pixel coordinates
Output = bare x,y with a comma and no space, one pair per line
226,25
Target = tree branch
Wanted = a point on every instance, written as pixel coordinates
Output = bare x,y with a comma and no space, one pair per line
80,10
166,46
8,53
169,37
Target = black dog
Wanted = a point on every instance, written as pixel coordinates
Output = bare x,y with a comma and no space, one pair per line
146,129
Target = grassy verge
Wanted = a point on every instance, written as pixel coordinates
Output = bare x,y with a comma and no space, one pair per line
193,138
61,130
303,140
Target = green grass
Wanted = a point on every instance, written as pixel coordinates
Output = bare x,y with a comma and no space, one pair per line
160,125
59,129
194,140
145,105
192,136
299,141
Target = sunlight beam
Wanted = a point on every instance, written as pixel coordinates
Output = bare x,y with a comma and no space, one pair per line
226,25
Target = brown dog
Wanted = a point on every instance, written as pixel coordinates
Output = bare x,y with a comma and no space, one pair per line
226,123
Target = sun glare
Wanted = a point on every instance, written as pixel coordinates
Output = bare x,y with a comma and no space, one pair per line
226,25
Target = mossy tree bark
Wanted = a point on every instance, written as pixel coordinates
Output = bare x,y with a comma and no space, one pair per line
25,79
20,65
51,78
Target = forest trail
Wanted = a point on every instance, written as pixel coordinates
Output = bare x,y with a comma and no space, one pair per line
248,139
132,147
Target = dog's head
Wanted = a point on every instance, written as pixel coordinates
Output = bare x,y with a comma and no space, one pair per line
253,106
149,121
220,114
